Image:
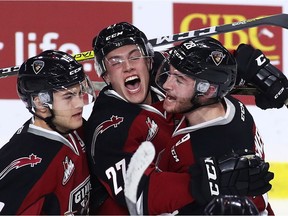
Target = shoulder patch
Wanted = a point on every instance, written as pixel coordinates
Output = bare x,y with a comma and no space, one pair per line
31,161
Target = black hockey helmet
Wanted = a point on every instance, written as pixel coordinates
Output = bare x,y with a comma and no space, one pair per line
115,36
208,62
51,70
231,205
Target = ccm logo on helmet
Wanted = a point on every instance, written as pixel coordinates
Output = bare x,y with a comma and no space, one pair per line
177,54
114,35
212,176
75,71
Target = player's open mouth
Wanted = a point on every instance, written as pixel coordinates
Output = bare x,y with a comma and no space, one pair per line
170,98
132,83
78,115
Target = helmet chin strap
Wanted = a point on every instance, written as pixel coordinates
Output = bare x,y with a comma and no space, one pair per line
49,121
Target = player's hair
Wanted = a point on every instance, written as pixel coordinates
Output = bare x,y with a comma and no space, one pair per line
115,36
207,61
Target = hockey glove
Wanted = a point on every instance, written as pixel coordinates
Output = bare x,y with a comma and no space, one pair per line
253,67
235,174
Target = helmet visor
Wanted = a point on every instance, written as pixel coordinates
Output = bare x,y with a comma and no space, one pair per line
162,73
66,98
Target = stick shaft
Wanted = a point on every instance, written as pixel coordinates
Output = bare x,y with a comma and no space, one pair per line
280,20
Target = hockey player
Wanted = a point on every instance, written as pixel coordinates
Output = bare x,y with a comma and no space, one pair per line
122,116
201,74
43,168
122,119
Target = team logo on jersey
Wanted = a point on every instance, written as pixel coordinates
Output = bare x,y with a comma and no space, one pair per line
31,161
152,129
79,199
37,66
113,121
217,57
69,168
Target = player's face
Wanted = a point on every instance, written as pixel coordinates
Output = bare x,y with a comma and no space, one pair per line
179,91
128,73
68,107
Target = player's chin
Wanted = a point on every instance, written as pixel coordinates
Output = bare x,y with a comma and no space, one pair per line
76,122
136,97
75,126
169,106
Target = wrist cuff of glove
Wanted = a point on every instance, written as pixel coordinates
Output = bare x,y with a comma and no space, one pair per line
205,180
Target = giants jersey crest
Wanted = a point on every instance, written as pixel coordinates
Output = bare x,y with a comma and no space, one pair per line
79,199
152,129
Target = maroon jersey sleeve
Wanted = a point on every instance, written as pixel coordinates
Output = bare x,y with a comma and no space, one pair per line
167,192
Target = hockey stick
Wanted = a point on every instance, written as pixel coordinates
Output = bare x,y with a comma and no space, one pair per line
139,162
280,20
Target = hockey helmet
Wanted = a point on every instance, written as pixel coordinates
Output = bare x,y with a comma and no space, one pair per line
115,36
47,72
207,61
230,205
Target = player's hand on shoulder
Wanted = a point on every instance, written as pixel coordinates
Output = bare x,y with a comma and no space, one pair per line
254,67
241,173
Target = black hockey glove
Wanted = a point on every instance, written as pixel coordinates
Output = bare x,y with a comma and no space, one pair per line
235,174
253,67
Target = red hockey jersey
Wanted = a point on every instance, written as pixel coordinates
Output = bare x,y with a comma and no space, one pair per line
115,130
41,172
235,131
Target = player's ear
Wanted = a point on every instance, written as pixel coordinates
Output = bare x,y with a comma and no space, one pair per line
211,91
106,78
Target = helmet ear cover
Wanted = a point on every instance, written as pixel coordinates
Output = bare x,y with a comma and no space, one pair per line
44,98
202,86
